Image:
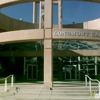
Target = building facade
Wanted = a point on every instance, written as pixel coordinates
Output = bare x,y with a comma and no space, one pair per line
45,51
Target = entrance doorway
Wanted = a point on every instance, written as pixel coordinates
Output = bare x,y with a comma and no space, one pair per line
71,72
32,72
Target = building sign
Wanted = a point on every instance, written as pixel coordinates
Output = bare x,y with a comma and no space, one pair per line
86,34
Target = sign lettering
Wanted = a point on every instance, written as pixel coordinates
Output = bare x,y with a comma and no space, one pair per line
86,34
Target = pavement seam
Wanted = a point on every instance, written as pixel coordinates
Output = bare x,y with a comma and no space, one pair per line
50,95
39,94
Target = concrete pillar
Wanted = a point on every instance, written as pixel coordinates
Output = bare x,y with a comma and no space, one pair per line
48,61
48,66
35,14
41,19
60,13
40,22
48,14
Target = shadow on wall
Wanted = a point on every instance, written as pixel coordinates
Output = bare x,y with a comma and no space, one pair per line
10,24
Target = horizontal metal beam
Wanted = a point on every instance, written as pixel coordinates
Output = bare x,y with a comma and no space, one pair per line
56,53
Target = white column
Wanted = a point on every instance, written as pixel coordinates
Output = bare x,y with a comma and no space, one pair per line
12,80
90,85
5,85
35,13
86,81
79,66
40,20
60,13
95,65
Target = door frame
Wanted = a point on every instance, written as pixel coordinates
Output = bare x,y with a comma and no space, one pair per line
70,73
32,65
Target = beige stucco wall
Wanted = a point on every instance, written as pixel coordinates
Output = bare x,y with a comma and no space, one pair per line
45,34
9,24
76,34
93,24
22,36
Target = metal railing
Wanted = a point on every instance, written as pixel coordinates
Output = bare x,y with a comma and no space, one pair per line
5,83
90,81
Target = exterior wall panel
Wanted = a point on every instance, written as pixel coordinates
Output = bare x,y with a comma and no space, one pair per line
22,35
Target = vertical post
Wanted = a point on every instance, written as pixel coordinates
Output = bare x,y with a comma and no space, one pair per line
79,59
48,14
5,84
90,85
35,13
95,65
40,19
48,60
86,81
60,13
12,80
79,66
48,67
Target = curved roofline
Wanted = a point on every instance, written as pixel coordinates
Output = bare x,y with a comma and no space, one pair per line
8,24
20,25
5,3
83,21
22,36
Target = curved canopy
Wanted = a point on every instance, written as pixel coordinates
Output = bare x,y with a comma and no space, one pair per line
57,45
5,3
76,45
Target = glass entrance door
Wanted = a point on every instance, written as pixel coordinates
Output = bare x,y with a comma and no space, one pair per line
75,68
88,66
32,72
71,72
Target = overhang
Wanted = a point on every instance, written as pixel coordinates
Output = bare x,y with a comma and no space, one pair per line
21,36
5,3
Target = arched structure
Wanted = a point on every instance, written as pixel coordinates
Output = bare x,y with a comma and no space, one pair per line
17,40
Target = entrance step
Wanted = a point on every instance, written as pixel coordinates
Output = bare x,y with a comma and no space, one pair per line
31,91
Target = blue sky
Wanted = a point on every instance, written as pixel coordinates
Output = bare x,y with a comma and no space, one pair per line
72,12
